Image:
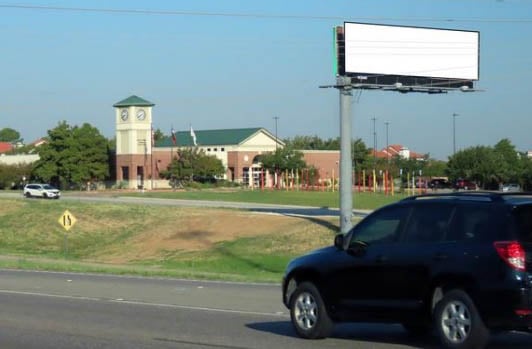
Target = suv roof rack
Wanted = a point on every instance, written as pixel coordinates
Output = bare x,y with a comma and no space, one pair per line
473,196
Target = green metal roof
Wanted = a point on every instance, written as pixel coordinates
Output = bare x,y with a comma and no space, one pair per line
209,137
133,101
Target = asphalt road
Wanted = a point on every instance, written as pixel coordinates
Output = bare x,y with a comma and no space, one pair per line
64,310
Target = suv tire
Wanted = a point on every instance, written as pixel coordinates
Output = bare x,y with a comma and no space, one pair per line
28,195
458,323
308,313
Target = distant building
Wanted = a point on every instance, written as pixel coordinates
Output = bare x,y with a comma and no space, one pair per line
397,150
18,159
38,142
5,147
239,150
139,159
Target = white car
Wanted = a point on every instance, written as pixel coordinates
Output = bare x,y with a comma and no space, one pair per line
512,187
41,191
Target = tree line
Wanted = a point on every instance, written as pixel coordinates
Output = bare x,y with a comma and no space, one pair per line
75,155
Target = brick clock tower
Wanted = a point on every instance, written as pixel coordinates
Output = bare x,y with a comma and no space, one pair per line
133,121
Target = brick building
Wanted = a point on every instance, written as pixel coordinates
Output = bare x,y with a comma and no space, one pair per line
139,159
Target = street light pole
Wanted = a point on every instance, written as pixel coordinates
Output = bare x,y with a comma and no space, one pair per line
374,141
454,132
276,118
387,150
276,142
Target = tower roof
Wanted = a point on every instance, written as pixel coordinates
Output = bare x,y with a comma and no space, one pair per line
133,101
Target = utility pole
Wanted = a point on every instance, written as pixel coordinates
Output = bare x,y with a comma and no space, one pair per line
374,141
454,132
387,150
276,118
346,162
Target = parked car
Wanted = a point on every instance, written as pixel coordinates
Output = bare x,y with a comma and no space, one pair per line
439,184
420,184
39,190
204,179
511,187
458,264
465,184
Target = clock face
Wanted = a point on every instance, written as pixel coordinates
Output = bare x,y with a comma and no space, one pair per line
141,114
124,114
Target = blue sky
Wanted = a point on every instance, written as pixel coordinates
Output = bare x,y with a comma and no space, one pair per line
231,64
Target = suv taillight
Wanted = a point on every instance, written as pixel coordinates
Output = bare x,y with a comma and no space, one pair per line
512,253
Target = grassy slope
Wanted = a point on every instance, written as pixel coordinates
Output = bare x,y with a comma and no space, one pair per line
153,240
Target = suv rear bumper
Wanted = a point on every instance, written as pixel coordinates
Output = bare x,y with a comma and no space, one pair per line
512,311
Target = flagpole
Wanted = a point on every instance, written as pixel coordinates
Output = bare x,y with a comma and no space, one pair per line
152,145
172,136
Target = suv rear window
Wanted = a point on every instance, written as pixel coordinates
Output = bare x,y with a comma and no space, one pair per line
473,223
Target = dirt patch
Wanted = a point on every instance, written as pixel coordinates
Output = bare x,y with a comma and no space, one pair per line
200,229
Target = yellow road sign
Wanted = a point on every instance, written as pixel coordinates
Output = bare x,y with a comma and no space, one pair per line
67,220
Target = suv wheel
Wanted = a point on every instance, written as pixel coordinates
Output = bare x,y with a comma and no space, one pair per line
28,195
458,323
308,313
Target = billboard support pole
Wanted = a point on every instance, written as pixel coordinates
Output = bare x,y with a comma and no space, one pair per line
346,194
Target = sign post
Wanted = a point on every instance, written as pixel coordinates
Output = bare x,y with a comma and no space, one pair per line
67,221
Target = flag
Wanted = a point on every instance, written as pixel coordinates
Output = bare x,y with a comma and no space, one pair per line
174,139
193,135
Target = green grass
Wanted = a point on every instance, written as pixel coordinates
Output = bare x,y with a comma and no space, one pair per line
301,198
32,238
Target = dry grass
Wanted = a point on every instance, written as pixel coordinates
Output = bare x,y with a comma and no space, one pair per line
200,229
184,241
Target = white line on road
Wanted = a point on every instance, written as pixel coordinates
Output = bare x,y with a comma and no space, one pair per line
120,300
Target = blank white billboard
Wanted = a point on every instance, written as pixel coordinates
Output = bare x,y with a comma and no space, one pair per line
411,51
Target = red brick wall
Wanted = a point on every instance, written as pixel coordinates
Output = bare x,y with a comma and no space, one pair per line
326,162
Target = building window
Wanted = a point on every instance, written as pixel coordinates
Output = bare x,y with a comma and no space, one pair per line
222,149
208,149
215,149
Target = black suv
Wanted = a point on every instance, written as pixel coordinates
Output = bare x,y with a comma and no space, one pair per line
458,264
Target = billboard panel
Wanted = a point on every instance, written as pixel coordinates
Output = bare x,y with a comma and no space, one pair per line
384,54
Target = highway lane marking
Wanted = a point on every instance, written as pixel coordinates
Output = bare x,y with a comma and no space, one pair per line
138,277
161,305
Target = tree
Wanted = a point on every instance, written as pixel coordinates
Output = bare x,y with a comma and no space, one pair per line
434,168
72,155
312,143
92,158
158,134
476,163
13,176
525,164
507,162
283,159
360,154
9,135
192,162
359,151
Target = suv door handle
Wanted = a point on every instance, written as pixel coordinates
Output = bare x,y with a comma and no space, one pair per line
381,259
440,257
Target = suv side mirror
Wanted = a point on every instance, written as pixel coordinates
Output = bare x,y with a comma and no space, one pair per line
339,241
357,248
